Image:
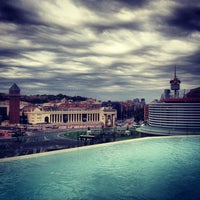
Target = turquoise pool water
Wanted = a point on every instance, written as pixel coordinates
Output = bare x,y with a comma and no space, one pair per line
149,169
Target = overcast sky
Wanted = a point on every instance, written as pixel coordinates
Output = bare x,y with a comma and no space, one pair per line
104,49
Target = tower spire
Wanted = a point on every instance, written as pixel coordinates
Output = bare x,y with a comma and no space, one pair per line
175,84
175,72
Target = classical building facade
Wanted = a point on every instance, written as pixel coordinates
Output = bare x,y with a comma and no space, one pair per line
104,116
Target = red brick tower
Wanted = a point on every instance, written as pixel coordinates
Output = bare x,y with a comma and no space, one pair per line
14,104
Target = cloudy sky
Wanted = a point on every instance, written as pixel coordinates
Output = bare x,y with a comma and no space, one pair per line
104,49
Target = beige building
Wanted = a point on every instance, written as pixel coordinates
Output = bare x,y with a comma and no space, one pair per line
104,116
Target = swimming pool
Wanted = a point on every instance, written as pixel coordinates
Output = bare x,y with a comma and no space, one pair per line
154,168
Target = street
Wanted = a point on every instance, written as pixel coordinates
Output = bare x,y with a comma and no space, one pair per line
39,141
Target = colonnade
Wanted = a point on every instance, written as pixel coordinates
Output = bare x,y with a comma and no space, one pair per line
74,118
56,118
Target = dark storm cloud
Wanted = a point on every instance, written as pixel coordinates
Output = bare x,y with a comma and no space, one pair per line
12,12
86,80
110,48
191,65
9,53
146,50
194,59
118,65
100,28
133,3
185,18
112,5
122,82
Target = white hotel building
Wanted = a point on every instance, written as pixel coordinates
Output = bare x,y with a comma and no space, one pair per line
168,118
174,114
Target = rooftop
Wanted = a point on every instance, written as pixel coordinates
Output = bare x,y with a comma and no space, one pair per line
14,89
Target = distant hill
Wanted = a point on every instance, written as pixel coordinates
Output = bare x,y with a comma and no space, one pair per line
44,98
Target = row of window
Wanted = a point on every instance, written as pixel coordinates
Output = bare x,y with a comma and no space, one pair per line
175,115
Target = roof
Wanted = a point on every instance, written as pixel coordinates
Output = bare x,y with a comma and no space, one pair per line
194,93
14,89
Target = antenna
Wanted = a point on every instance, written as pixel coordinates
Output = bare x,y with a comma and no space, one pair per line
175,83
175,72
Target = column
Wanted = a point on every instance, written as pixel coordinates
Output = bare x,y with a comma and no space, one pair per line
75,118
95,117
58,118
80,119
70,118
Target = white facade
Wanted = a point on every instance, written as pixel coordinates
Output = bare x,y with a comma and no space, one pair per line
73,116
173,119
175,115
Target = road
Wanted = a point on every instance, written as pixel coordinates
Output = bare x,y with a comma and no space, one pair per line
39,141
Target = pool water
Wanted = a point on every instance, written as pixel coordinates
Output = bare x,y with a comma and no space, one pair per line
151,169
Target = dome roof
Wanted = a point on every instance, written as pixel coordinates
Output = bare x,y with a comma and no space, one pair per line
14,89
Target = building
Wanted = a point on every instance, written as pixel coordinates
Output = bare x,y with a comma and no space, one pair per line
71,117
4,110
174,115
173,119
175,84
14,104
146,113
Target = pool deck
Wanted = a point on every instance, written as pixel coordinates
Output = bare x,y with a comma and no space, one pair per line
87,147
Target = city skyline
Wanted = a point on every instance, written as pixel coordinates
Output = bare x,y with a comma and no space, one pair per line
108,50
